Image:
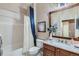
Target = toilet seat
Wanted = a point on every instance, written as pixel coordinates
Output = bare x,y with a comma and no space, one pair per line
34,50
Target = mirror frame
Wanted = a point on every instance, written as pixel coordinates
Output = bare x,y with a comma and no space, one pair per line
60,9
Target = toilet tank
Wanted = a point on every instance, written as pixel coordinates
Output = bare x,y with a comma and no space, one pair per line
39,43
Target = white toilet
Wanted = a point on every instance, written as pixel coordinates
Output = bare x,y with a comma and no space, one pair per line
35,51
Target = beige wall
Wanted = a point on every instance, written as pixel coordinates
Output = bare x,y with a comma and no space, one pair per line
18,31
18,35
42,10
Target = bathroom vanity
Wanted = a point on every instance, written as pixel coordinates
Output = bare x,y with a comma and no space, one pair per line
55,48
49,50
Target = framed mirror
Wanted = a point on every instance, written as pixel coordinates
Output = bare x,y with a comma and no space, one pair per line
66,21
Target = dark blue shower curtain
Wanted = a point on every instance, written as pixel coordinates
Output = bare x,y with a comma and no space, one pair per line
32,24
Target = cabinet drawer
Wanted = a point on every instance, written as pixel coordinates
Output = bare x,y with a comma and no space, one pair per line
49,47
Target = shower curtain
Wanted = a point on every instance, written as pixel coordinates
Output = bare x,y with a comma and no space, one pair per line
29,31
28,37
32,24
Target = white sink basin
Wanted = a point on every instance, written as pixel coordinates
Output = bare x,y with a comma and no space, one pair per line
51,41
76,45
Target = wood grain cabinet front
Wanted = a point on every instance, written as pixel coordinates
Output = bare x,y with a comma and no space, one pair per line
57,52
67,53
49,50
64,53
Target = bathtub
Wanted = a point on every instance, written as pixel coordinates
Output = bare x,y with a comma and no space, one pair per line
17,52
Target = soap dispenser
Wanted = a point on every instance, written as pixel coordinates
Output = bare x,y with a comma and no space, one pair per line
50,37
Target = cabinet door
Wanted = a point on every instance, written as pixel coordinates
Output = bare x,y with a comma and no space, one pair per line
57,53
64,53
49,47
67,53
47,52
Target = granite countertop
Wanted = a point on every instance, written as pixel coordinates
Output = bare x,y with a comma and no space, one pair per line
68,47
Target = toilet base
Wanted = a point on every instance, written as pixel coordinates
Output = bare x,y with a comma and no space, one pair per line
38,54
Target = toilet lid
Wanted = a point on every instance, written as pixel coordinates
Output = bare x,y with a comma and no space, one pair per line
34,48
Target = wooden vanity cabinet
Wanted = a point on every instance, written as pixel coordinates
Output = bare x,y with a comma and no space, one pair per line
57,52
67,53
64,53
49,50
